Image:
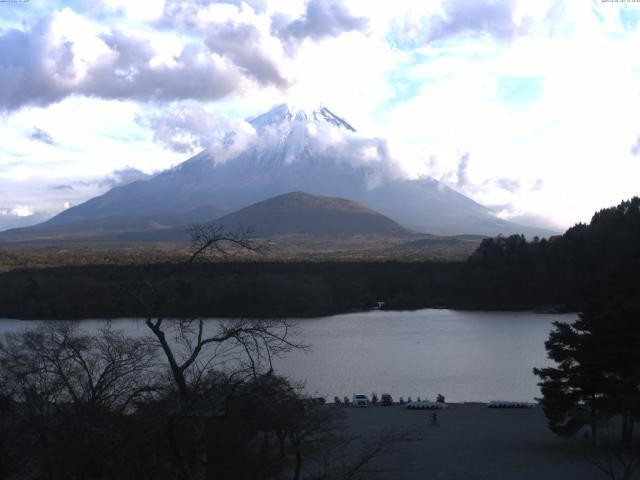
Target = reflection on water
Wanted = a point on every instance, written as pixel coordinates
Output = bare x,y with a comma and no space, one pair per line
467,356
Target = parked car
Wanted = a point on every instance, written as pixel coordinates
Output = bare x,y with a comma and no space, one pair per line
386,399
360,400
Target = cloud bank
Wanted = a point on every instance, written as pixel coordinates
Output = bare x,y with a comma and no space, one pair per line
237,46
437,78
191,129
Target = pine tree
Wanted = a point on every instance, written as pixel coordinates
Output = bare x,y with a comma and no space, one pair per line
597,372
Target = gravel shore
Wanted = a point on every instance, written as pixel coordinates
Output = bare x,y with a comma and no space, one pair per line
471,441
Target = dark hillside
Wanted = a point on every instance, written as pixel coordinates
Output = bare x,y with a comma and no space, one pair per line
598,261
302,213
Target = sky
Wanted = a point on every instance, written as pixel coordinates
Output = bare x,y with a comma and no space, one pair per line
531,107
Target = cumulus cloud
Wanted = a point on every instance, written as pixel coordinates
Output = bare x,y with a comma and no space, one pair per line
321,139
476,17
130,73
31,70
243,44
36,69
236,31
190,14
188,128
216,49
321,19
295,136
359,151
17,211
41,136
18,216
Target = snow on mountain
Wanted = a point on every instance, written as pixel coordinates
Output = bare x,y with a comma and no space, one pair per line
286,113
297,149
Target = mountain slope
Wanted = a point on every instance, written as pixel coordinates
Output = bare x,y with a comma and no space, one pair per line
302,213
110,227
296,150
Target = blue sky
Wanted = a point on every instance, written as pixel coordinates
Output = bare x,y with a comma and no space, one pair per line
528,106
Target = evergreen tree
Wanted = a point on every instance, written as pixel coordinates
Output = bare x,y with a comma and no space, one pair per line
597,372
573,390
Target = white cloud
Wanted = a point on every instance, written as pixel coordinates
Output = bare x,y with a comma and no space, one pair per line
146,10
576,134
185,66
321,19
188,129
18,216
64,54
18,211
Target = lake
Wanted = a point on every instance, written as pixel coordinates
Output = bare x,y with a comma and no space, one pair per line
465,355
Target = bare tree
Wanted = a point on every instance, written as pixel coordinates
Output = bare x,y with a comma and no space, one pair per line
248,344
211,239
105,371
191,346
208,241
65,389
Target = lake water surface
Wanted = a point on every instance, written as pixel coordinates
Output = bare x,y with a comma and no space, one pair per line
465,355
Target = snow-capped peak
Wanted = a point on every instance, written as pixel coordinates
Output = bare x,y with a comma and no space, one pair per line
288,113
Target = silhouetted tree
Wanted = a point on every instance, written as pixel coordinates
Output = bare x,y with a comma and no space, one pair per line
67,393
191,347
241,348
597,372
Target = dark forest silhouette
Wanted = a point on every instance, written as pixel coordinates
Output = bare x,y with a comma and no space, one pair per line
588,262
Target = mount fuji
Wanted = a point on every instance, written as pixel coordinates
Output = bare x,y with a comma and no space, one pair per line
287,149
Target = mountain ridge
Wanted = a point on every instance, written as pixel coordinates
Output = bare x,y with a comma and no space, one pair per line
314,151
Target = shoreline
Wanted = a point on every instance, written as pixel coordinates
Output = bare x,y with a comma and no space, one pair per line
308,316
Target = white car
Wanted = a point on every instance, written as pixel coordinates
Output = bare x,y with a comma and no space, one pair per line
360,400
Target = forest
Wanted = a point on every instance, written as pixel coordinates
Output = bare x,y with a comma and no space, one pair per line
189,402
588,262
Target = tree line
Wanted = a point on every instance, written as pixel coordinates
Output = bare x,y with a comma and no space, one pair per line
187,400
595,378
563,273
